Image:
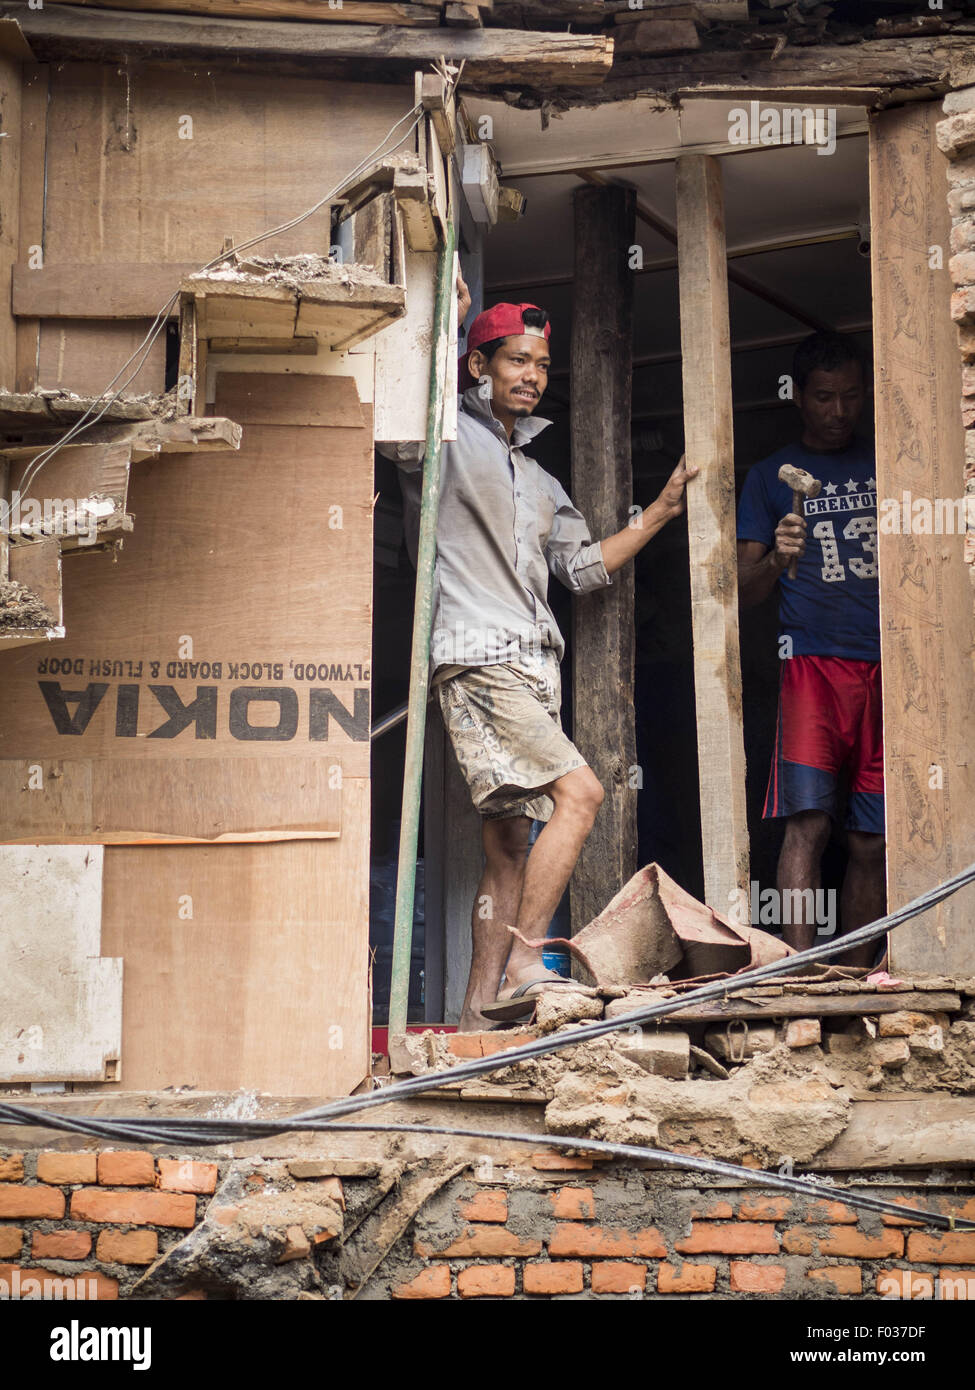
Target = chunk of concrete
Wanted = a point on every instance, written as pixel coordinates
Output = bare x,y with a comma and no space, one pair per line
905,1022
927,1042
889,1053
662,1052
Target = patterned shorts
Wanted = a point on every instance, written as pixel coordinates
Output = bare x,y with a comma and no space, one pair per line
503,723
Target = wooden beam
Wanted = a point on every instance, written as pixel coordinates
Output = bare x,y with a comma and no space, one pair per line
735,277
96,291
709,443
492,56
602,489
821,1006
927,628
351,11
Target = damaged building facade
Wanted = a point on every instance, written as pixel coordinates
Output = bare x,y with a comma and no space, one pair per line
222,240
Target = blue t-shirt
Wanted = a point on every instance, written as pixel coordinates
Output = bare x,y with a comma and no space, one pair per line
831,608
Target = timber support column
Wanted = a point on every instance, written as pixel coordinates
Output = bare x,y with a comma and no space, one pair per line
709,443
602,489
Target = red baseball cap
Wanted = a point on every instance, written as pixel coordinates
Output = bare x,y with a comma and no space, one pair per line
500,321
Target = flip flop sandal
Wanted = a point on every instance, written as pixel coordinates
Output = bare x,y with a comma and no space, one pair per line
520,1003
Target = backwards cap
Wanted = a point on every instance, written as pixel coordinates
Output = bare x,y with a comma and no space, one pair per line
501,321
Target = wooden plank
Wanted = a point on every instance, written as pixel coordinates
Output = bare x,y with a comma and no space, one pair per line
492,56
271,940
60,998
83,356
709,443
931,1131
96,291
337,315
821,1006
351,11
10,177
927,623
196,434
602,489
31,238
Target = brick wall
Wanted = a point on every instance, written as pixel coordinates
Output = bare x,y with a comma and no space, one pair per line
97,1219
635,1234
548,1226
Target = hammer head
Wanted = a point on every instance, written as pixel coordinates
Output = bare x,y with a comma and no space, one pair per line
799,480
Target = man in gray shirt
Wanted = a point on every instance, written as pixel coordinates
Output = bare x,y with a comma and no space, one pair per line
503,525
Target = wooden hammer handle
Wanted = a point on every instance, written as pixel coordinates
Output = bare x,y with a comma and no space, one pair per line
797,504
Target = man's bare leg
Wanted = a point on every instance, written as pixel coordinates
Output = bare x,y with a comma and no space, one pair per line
497,903
864,896
806,837
577,796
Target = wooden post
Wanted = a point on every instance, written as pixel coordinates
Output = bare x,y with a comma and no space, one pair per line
602,489
709,443
927,632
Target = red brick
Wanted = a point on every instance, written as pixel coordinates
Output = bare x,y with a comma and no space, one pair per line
429,1283
485,1044
60,1245
748,1277
573,1203
478,1242
564,1277
126,1170
856,1245
67,1168
486,1281
11,1240
588,1241
798,1240
11,1167
31,1201
551,1162
716,1211
833,1212
691,1279
924,1248
746,1238
905,1283
83,1282
765,1208
844,1278
127,1247
186,1175
611,1276
485,1206
133,1208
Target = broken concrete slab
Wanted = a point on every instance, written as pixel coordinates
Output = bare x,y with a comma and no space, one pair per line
663,1052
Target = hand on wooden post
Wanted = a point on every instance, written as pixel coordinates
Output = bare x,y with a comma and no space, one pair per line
463,299
673,496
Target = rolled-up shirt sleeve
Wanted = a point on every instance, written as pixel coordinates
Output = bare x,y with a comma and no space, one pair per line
572,556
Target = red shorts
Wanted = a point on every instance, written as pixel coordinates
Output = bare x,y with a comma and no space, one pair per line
829,719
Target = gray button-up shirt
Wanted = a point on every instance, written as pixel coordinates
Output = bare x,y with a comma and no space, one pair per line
503,524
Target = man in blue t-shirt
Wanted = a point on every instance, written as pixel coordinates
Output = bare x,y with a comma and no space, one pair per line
829,719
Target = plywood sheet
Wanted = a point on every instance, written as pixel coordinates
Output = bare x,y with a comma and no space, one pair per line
235,623
60,1001
156,141
926,615
85,356
10,115
246,965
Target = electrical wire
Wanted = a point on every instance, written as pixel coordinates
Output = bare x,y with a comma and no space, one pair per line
88,419
325,1118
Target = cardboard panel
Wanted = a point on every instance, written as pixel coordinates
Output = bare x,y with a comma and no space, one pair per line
234,624
246,966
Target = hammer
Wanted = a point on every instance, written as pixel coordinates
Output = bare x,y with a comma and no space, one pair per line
803,484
